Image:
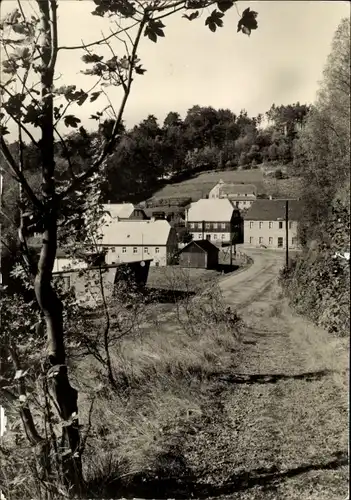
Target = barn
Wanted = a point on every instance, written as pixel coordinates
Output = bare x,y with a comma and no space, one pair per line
200,253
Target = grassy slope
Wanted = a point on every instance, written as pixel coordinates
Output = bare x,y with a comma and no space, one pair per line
200,185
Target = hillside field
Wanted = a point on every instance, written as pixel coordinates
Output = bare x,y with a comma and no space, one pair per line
200,185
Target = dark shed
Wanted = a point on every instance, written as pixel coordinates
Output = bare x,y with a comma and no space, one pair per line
200,253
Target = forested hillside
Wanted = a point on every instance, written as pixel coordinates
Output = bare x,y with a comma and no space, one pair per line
319,282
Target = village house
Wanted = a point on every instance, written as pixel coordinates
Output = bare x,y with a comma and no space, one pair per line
264,224
241,195
174,214
124,211
215,220
125,241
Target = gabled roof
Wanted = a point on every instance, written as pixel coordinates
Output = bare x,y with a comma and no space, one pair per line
238,189
138,232
272,210
211,210
203,244
121,210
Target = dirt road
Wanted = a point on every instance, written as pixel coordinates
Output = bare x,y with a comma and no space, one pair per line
281,427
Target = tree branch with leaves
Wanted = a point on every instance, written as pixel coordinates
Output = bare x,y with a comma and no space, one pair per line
33,43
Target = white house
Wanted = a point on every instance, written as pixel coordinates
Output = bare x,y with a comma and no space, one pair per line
127,241
265,225
242,195
213,219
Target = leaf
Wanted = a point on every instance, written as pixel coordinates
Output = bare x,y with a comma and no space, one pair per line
91,58
248,21
154,29
192,16
214,20
71,121
139,70
20,374
225,5
32,115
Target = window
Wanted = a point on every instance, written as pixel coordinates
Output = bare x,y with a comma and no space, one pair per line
294,241
157,250
245,194
260,224
270,224
223,236
290,224
199,225
113,249
208,225
208,237
280,242
251,240
192,225
157,264
215,225
270,240
223,225
251,225
260,239
146,249
124,249
214,236
199,236
280,225
135,250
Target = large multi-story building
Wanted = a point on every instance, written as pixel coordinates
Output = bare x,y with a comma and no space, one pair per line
216,220
265,225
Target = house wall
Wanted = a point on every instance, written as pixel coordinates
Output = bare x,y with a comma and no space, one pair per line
241,204
61,263
266,233
214,237
119,253
194,257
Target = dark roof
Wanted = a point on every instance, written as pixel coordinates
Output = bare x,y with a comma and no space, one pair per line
238,189
204,244
271,210
164,209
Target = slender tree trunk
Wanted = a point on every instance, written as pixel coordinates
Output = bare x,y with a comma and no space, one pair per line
50,304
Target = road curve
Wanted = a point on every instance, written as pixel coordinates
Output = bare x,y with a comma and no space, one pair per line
242,288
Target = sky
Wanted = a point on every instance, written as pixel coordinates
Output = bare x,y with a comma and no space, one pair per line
281,62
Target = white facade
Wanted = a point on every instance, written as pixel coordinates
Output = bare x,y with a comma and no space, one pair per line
241,195
126,241
65,263
129,253
271,234
214,237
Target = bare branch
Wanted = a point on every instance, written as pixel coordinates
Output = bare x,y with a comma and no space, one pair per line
101,41
109,143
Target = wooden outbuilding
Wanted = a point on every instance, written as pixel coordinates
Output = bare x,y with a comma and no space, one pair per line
200,254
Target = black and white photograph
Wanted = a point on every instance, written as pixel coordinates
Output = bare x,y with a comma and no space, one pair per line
174,249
